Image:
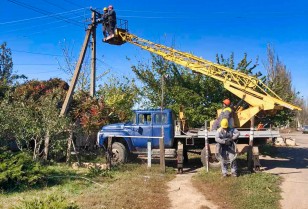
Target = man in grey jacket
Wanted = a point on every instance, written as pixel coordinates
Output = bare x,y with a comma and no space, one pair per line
225,137
112,19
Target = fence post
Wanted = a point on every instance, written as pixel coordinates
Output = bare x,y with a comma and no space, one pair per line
162,154
251,136
149,152
206,147
109,152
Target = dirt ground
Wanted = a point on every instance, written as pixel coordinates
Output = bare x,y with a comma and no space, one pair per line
183,194
292,164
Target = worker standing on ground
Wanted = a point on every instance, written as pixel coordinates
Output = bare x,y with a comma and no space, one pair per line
104,19
112,19
225,113
225,137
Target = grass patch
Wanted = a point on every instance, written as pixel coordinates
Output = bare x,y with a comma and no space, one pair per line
256,190
48,202
127,186
131,186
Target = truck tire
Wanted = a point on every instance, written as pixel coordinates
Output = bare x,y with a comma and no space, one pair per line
213,162
119,154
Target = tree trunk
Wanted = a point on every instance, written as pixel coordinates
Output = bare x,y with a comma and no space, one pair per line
46,148
34,150
69,145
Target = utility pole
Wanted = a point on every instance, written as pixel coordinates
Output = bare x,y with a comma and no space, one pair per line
93,55
162,140
91,31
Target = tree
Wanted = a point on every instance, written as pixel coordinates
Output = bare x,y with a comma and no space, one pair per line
7,77
302,116
279,79
243,66
200,95
30,115
69,62
119,95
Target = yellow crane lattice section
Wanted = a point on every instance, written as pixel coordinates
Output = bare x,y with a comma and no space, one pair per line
246,87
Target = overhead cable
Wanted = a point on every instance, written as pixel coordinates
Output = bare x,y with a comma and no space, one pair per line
43,11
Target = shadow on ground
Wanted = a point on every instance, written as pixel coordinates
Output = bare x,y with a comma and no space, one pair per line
287,157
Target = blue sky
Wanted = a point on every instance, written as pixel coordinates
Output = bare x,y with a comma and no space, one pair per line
202,27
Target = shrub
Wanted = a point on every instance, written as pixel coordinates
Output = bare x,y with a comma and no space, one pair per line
19,170
49,202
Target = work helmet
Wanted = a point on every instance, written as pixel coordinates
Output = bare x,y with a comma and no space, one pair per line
224,123
227,102
110,7
105,8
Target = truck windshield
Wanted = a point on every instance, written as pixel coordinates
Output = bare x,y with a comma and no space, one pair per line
160,118
145,118
133,119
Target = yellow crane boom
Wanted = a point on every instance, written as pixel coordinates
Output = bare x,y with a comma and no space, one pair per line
248,88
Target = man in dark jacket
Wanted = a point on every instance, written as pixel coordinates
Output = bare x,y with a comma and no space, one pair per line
112,20
225,137
104,20
225,113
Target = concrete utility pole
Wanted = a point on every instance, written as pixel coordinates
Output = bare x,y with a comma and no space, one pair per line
91,31
93,55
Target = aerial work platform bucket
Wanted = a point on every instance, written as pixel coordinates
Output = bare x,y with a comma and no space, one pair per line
116,39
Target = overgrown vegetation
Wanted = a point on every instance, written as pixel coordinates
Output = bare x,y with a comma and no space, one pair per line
249,190
49,202
200,95
106,189
19,172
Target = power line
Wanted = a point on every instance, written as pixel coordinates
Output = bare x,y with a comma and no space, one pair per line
40,17
43,72
39,25
36,64
45,54
42,11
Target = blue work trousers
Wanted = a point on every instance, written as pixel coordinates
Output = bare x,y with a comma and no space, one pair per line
227,154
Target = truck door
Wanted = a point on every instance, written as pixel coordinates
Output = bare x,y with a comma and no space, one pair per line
144,127
160,120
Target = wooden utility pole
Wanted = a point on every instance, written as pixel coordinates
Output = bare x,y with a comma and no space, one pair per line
91,31
93,55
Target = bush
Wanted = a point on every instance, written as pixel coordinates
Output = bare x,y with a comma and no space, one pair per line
18,170
49,202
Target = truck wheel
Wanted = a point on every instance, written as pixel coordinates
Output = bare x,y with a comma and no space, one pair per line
119,153
213,161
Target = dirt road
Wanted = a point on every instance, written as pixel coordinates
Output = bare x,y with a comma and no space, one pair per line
184,195
292,164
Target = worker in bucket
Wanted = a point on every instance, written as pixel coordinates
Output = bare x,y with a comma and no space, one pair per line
225,113
112,19
226,149
105,22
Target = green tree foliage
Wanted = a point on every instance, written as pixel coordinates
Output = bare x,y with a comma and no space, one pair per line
119,95
18,170
302,116
7,77
200,95
31,112
243,66
279,79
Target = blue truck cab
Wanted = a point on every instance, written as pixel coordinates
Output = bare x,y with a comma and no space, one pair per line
131,137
